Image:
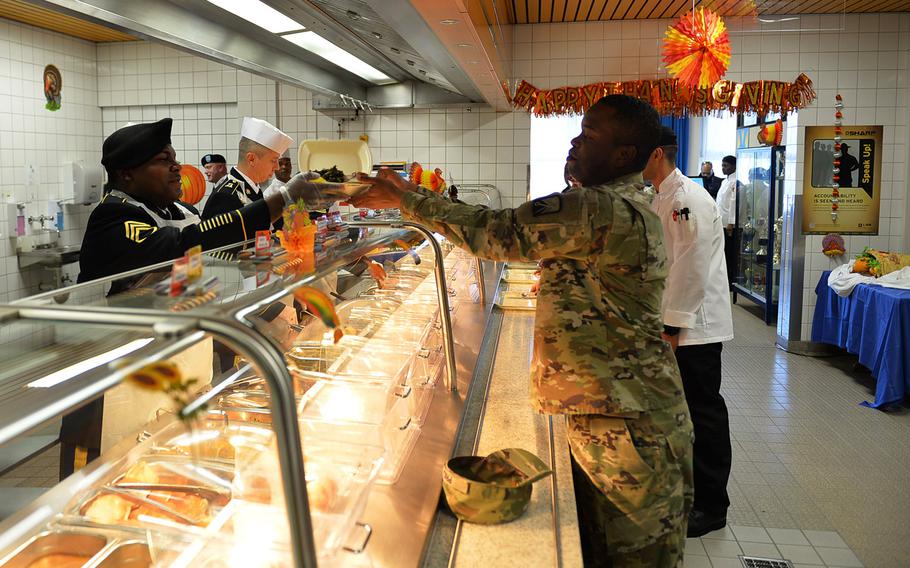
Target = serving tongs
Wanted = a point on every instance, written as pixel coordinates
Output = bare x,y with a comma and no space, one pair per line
210,494
131,495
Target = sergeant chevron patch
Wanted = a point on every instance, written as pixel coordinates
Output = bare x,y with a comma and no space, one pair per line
137,231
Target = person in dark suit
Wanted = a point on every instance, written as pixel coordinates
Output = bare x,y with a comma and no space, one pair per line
709,180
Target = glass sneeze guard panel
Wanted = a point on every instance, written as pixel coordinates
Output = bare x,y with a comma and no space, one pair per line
230,274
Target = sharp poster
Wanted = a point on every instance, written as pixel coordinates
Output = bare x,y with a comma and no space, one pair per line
860,175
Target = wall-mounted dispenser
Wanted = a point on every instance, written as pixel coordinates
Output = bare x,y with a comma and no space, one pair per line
81,182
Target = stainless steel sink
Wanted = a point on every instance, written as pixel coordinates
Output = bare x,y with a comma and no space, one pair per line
49,257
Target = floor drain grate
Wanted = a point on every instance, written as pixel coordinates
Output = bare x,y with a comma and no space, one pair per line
756,562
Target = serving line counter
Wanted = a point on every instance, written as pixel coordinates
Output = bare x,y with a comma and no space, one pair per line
376,414
548,530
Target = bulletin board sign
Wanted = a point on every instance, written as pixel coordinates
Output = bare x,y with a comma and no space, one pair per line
860,180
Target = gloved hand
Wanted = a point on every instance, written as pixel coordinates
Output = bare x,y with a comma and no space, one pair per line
314,195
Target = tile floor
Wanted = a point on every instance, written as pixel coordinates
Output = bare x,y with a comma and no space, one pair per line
40,471
816,479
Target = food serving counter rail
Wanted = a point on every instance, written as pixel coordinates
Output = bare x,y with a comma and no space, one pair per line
302,447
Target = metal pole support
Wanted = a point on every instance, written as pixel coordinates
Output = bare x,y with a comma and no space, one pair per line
481,283
441,292
241,337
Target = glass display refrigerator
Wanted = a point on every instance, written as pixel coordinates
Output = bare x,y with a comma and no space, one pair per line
760,162
294,446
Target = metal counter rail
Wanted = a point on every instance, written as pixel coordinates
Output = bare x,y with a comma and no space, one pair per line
183,330
441,292
487,190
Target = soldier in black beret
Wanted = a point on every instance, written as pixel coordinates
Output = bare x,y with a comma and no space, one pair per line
140,222
215,167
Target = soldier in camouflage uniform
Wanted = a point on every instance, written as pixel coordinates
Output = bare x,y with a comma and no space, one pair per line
598,353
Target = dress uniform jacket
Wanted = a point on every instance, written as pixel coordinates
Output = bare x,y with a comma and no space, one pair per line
124,234
598,353
697,297
235,192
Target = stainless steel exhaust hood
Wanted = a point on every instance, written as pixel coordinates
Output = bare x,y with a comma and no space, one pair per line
425,75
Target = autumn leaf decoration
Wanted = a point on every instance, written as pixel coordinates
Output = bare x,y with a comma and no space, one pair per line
697,48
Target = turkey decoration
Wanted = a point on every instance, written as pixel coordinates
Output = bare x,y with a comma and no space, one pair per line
697,48
192,184
431,180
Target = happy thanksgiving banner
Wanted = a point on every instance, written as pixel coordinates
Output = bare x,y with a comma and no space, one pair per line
670,97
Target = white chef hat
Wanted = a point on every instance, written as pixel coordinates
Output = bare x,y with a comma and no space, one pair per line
264,133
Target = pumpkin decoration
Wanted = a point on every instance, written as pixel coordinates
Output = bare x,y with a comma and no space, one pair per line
192,184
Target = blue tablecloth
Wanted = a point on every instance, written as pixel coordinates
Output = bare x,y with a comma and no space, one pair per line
874,323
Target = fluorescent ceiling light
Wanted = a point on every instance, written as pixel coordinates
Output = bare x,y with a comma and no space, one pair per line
334,54
260,14
68,373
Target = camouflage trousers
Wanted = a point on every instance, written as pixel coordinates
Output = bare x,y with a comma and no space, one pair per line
634,486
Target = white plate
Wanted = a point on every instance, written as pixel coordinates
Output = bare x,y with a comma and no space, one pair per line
349,156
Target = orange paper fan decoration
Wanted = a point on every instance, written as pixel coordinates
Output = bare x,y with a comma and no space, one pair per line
697,48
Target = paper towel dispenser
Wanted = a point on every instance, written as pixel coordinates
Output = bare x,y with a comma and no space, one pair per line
81,182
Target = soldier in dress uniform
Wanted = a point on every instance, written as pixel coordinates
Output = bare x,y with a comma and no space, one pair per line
215,167
598,354
140,222
261,144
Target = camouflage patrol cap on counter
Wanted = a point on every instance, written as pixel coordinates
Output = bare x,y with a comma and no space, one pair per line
494,489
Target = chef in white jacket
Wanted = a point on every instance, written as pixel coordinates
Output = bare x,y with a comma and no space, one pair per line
282,174
726,204
697,320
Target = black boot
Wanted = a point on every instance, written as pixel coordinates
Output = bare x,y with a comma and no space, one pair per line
701,523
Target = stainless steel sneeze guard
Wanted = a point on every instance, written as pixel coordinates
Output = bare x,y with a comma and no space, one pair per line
241,337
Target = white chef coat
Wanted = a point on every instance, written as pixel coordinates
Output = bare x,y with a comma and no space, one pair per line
726,200
697,294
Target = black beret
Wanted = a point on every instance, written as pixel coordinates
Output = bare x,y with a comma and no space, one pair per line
667,137
213,159
136,144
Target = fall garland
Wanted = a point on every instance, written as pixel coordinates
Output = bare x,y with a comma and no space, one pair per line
671,97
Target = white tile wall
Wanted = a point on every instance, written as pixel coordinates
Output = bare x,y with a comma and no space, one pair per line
471,144
141,73
30,134
868,64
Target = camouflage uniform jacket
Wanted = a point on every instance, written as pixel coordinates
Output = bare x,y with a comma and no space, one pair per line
597,343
